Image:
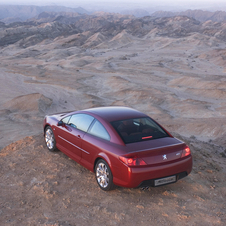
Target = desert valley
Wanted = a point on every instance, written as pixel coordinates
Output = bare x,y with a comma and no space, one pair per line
172,68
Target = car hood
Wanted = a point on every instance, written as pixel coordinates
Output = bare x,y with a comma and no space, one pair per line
58,116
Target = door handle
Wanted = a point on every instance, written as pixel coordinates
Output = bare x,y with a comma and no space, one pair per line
78,136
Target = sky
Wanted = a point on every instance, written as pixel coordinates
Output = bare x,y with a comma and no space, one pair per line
61,2
93,5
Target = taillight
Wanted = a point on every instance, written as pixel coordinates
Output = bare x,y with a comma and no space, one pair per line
132,161
186,152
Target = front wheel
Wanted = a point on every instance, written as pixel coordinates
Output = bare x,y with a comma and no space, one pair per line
104,176
50,139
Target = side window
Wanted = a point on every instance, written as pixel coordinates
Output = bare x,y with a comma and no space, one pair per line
81,121
66,119
99,131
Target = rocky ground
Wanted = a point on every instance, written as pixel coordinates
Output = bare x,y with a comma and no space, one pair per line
39,187
178,78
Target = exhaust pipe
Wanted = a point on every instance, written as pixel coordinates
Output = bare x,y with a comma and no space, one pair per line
144,188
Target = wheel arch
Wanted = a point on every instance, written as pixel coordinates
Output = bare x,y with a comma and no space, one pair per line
46,125
105,158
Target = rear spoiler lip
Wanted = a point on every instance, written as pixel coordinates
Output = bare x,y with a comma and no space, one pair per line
150,149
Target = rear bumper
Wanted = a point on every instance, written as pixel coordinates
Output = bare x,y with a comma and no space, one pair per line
145,175
151,183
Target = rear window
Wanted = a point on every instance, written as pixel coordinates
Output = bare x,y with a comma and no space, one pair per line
138,129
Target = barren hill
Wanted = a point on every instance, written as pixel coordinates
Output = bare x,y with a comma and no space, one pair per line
23,12
171,68
176,52
197,14
52,25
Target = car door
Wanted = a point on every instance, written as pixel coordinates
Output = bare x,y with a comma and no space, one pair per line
94,141
71,133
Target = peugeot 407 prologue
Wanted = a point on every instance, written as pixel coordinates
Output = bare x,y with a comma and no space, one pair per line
122,146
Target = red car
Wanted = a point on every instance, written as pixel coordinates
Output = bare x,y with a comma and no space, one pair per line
121,145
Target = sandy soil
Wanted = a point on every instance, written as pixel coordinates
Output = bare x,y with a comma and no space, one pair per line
39,187
179,82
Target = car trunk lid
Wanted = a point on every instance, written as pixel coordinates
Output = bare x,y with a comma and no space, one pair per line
157,151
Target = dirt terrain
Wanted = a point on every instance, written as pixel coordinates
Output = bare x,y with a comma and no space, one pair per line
43,188
180,81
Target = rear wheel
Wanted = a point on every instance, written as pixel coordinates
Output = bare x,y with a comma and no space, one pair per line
50,139
104,176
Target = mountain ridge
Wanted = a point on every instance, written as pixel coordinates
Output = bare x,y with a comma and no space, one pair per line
22,13
13,13
200,15
52,25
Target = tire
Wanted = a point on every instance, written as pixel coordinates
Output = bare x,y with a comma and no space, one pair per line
50,139
104,176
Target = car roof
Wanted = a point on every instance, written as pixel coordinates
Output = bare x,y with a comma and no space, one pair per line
115,113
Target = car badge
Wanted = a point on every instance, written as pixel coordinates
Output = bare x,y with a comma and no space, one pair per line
164,157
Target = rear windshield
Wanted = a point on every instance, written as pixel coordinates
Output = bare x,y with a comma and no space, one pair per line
138,129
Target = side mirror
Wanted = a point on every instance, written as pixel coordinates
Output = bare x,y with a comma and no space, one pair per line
60,123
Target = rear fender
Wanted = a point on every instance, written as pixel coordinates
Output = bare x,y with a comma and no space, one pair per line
105,158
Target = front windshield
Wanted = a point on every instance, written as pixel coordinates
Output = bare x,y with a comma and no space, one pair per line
138,129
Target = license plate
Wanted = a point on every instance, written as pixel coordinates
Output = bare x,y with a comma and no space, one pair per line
165,180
